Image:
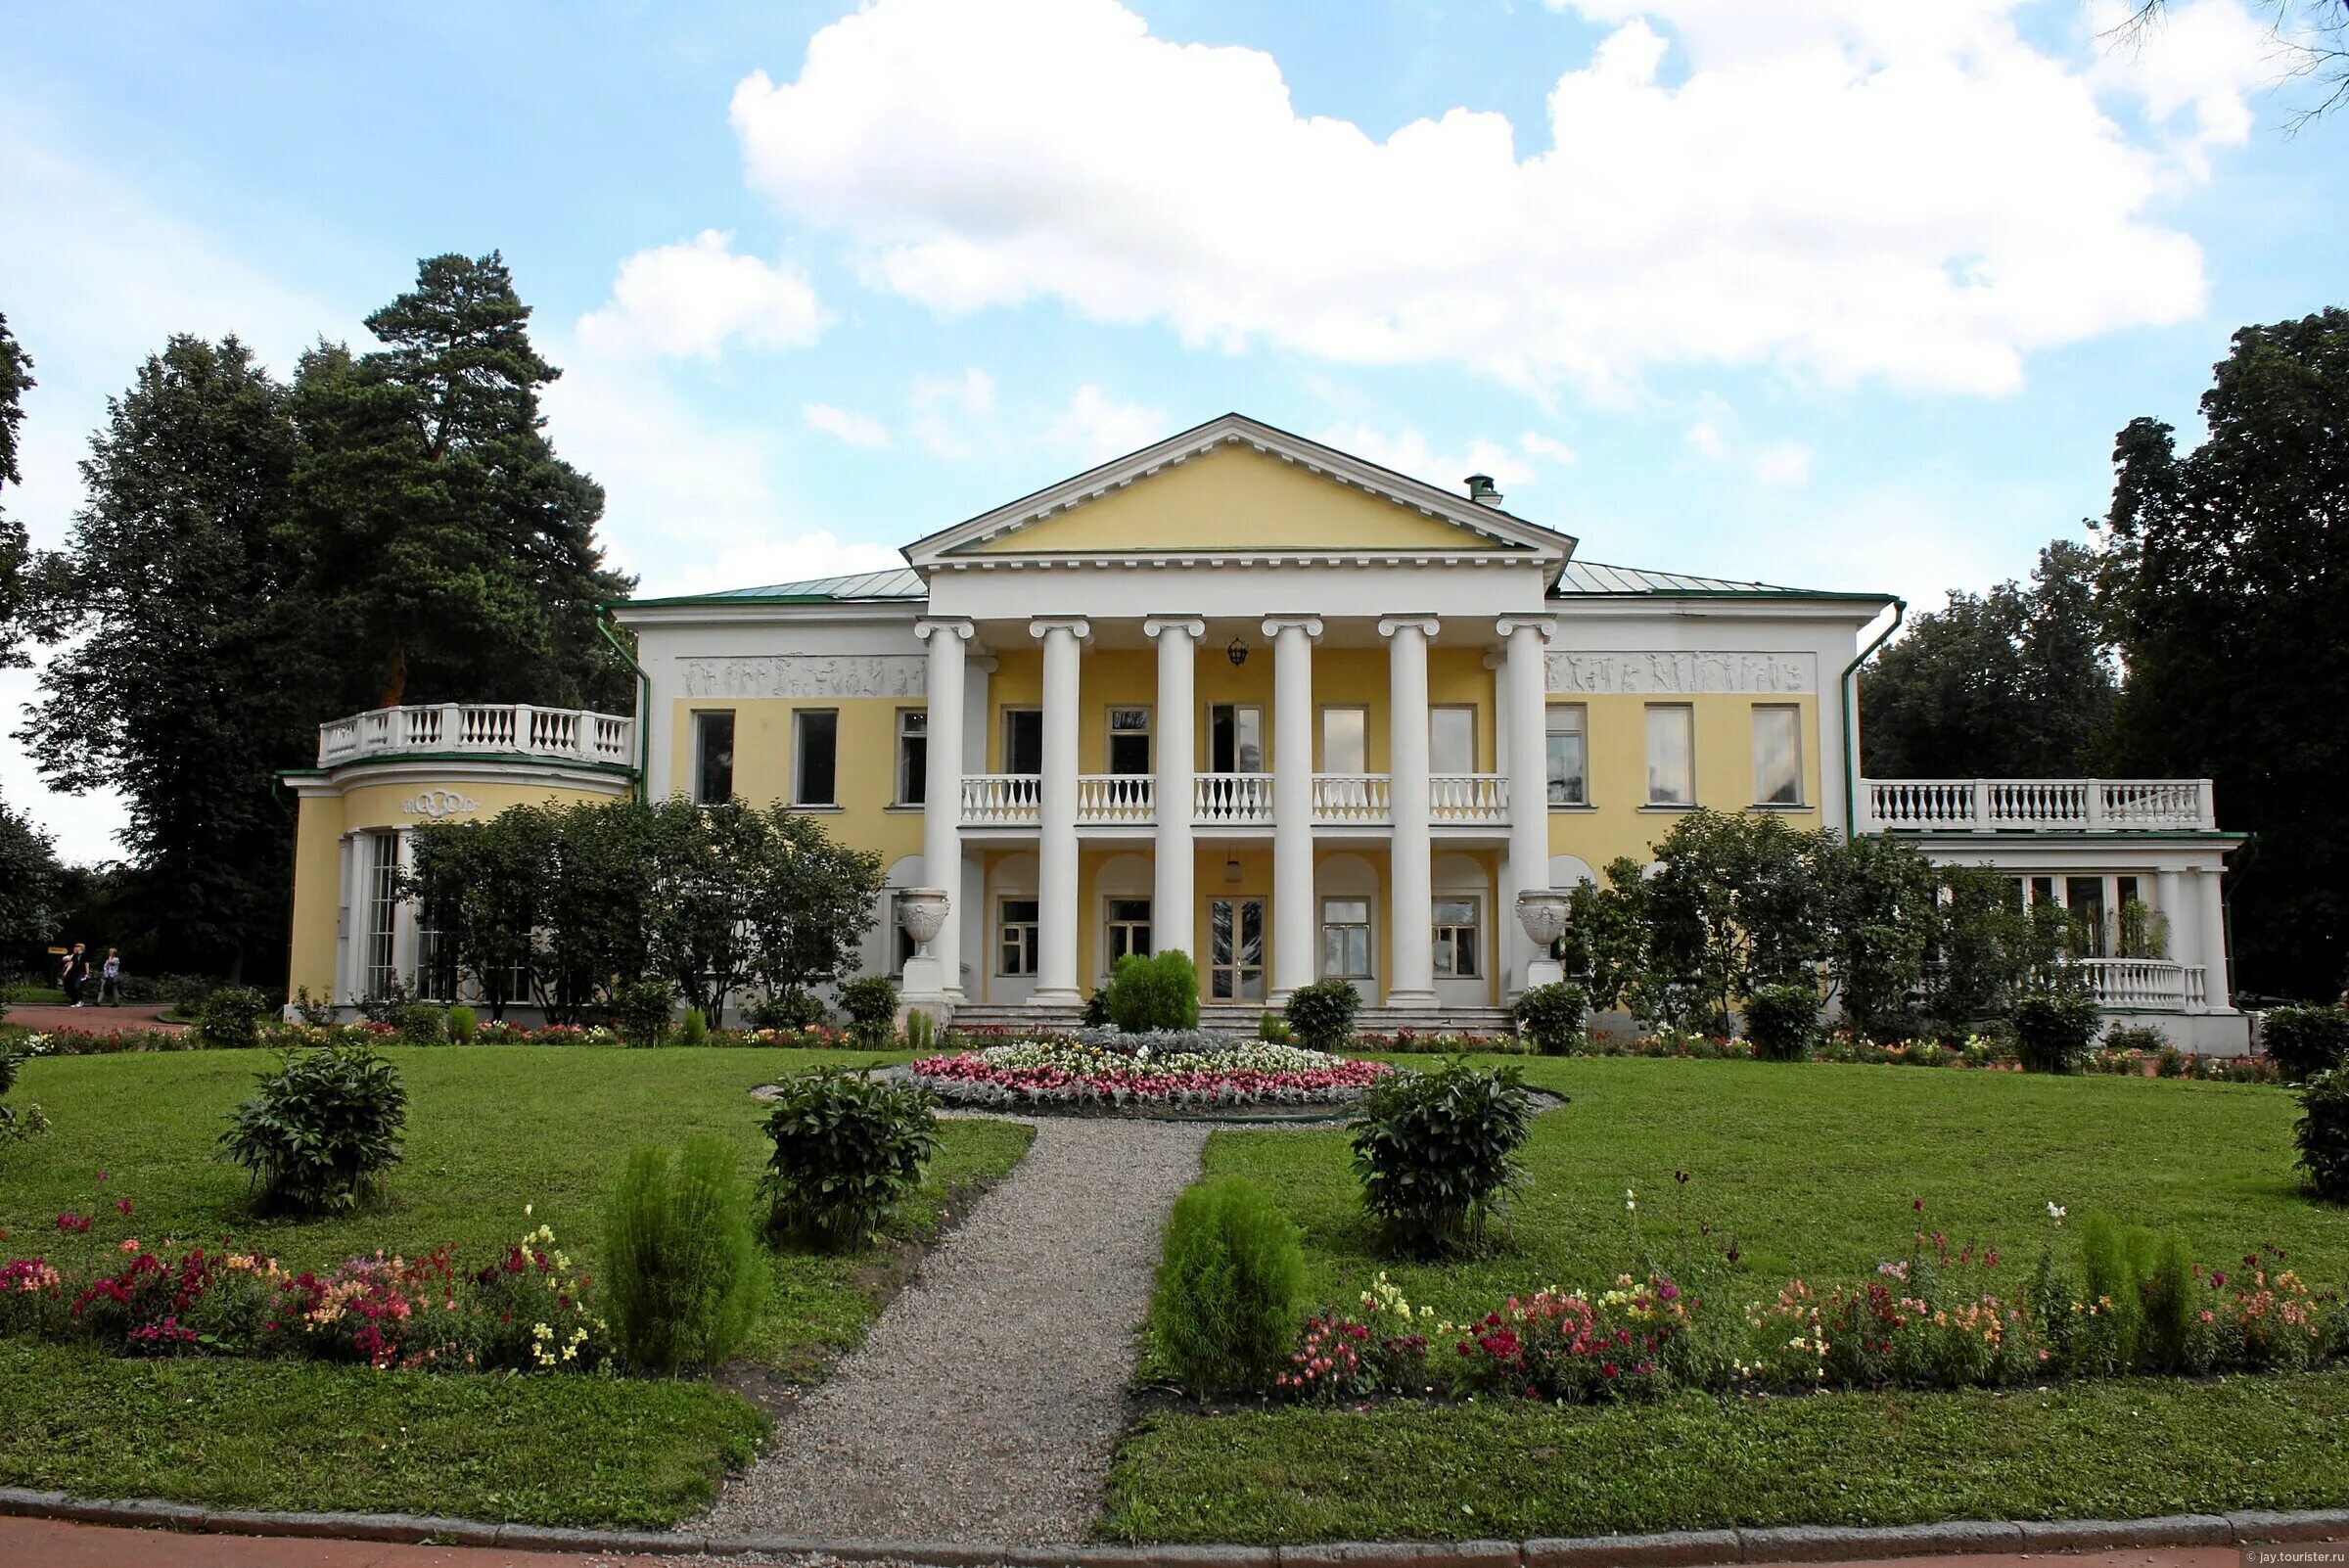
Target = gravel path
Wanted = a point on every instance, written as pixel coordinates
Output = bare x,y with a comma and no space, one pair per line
984,1404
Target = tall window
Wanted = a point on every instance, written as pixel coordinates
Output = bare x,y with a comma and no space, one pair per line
1671,754
1777,755
1456,930
1014,948
1346,939
1129,740
1235,738
1128,930
1023,740
913,756
815,748
1451,740
380,972
1568,755
1343,747
712,759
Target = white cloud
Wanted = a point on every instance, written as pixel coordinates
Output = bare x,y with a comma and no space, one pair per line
856,430
945,406
1407,451
1783,463
818,553
1845,188
2194,55
695,298
1706,439
1546,449
1097,427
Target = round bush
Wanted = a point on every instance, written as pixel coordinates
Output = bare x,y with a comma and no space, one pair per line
640,1010
2323,1134
1224,1313
1158,992
1436,1152
871,1003
847,1148
1321,1015
1782,1021
462,1022
230,1019
421,1024
1550,1017
322,1133
790,1008
2052,1030
2303,1041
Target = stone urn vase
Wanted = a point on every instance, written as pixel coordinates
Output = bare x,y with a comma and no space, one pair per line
1541,911
922,911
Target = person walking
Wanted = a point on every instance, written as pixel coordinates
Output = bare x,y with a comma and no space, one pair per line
110,979
74,973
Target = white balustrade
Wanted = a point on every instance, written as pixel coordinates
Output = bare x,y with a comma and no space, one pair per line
1355,799
1470,799
1001,799
2144,985
1995,805
1232,798
564,734
1113,798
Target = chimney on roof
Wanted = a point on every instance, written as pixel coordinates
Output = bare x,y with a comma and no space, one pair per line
1481,491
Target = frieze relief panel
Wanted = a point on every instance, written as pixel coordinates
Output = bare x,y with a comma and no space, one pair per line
806,675
1681,673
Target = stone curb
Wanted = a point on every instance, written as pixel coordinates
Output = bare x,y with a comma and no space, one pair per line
1680,1549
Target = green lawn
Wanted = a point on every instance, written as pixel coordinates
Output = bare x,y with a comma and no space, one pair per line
490,1130
1814,1167
2099,1450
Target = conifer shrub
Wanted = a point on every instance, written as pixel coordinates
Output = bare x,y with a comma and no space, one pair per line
683,1276
1321,1015
847,1149
323,1132
1550,1017
462,1024
1147,994
419,1023
1224,1312
693,1029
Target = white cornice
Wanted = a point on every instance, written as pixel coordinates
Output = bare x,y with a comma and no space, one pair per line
544,770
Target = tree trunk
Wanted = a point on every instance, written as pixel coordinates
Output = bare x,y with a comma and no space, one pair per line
395,676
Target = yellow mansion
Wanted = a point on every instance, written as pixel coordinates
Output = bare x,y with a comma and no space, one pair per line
1244,695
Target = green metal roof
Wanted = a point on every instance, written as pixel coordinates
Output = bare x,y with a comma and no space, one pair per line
1596,579
900,585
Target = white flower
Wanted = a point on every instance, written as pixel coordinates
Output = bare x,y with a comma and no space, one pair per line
2056,1211
1630,1199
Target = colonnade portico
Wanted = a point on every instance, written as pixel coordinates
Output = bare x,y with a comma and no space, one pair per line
1180,805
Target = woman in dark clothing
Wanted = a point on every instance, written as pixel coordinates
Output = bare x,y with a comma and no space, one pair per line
74,973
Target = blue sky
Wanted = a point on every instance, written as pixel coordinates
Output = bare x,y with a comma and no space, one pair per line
1846,293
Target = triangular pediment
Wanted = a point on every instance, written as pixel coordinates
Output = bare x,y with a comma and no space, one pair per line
1237,484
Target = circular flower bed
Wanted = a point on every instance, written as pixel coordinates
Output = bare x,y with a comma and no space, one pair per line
1208,1073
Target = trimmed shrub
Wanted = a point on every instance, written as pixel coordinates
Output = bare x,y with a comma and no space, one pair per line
1436,1152
2143,1038
2052,1029
2323,1134
1224,1313
1550,1017
847,1148
462,1022
230,1018
322,1133
693,1029
421,1024
790,1009
1158,993
1321,1015
683,1279
640,1010
871,1003
1782,1021
2304,1041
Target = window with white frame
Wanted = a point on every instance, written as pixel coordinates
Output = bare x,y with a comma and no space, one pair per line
1456,949
913,756
1777,754
1235,738
1023,740
1015,944
1128,930
1671,754
1346,939
712,758
1344,742
1569,758
379,974
816,757
1451,740
1128,741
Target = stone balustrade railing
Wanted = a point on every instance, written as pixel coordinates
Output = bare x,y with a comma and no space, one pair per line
2010,805
561,734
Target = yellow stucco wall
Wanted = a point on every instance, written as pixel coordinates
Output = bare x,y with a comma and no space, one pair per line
1239,498
1615,729
864,780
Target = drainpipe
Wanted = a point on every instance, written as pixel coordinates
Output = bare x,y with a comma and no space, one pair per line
1848,685
644,704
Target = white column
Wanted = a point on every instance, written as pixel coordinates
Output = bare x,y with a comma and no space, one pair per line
2213,911
347,923
1412,981
1293,944
2185,930
1056,845
941,796
1527,866
1172,923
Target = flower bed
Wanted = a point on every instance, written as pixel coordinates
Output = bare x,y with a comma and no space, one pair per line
1073,1075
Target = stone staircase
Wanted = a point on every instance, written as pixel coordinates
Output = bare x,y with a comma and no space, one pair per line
1231,1018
